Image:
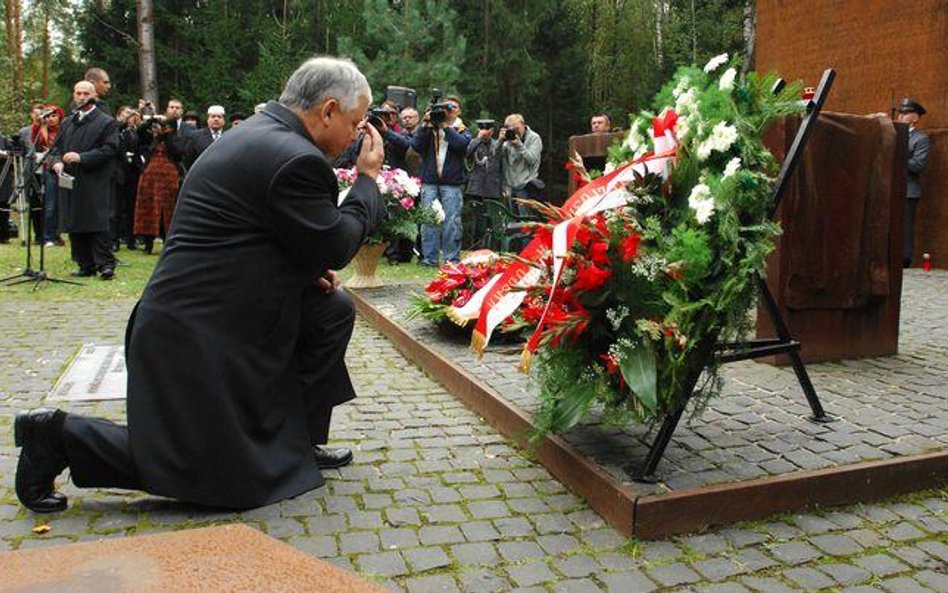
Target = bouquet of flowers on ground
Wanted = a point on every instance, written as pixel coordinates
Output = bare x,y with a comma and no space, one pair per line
400,191
453,287
644,270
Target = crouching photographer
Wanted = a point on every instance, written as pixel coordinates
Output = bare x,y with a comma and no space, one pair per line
521,148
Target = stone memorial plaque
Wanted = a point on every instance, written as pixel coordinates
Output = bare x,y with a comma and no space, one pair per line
97,372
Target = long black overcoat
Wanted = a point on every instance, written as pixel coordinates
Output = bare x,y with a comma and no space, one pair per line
215,399
86,207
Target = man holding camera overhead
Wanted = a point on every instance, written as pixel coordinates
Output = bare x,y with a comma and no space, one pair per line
521,148
442,141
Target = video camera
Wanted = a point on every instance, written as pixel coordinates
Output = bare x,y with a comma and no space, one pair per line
485,124
438,111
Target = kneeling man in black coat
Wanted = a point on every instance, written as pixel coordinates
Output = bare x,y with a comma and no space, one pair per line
235,349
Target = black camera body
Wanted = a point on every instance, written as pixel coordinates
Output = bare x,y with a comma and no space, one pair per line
510,134
376,117
485,124
437,110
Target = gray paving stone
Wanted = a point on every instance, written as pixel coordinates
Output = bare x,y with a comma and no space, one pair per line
718,569
912,556
558,544
424,559
514,527
625,582
479,531
836,545
483,580
440,534
723,588
576,566
903,532
672,575
935,549
475,554
708,544
433,584
808,578
444,513
904,585
517,551
767,585
488,509
938,581
530,573
398,538
881,565
359,542
846,574
794,552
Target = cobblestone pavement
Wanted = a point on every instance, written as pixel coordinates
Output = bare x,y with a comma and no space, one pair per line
885,407
438,501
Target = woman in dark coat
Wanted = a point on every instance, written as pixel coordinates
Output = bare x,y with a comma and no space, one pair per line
158,184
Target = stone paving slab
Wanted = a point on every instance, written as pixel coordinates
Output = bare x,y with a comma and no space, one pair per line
97,372
422,461
884,407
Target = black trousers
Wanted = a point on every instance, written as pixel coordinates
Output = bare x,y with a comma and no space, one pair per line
92,251
908,231
99,452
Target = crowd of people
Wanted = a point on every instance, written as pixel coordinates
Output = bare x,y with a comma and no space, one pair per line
107,181
125,195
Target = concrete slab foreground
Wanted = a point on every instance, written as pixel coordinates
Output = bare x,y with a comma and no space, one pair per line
227,558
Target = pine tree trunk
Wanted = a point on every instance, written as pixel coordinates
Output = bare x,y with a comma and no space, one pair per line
146,52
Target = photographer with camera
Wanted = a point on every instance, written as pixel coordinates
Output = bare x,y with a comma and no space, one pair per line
485,179
521,148
442,141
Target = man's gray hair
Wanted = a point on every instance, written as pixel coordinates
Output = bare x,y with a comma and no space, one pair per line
322,78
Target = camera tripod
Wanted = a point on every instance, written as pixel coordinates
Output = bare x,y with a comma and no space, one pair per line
24,179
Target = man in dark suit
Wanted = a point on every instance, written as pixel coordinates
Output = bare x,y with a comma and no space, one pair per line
235,349
201,139
87,153
918,145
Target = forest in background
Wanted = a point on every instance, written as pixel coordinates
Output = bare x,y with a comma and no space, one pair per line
555,61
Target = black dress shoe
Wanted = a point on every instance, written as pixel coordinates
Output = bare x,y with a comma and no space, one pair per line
330,458
42,458
107,273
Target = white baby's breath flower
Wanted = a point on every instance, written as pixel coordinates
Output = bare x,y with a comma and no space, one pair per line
609,168
702,202
727,79
714,62
438,210
732,167
634,140
681,87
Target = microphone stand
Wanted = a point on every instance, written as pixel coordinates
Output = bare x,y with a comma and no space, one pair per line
23,180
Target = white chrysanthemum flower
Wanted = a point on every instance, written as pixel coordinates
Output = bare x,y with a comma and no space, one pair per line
686,102
723,135
609,168
732,167
702,202
714,62
727,80
438,210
